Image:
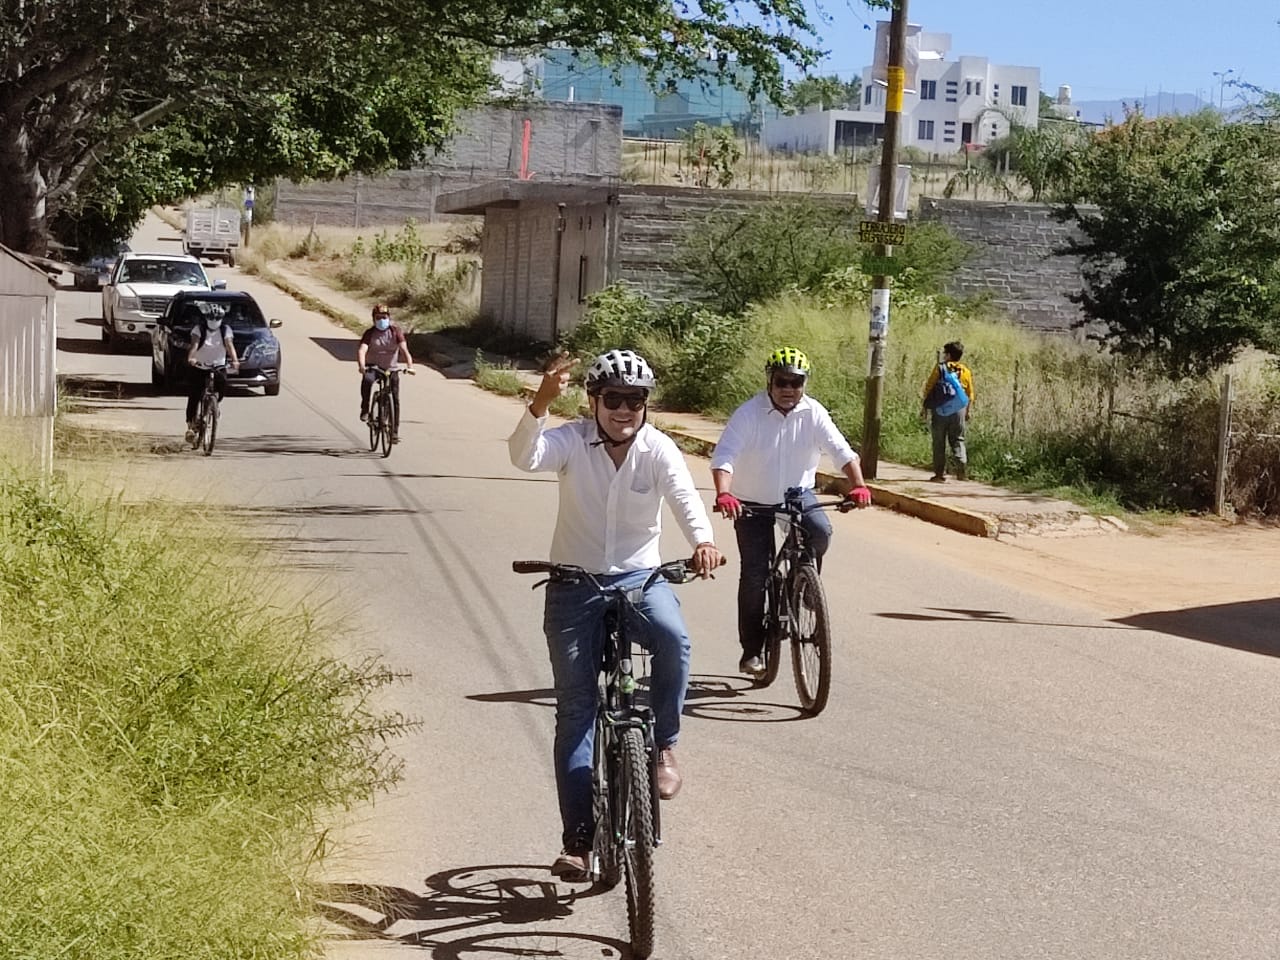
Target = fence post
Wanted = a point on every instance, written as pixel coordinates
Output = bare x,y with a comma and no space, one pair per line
1224,448
1013,416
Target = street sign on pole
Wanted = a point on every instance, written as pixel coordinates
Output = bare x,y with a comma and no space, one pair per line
877,231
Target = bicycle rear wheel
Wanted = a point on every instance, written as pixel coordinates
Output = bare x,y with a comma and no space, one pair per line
604,782
385,425
811,641
375,417
636,819
772,652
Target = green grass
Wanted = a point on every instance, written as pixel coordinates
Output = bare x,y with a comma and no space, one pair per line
170,735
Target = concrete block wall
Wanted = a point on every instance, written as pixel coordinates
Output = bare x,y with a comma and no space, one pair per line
653,222
519,269
1013,259
578,142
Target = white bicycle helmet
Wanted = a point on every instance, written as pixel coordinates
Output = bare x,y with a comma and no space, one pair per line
619,368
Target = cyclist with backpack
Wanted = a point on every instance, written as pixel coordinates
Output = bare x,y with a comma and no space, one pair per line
212,348
770,444
615,471
948,399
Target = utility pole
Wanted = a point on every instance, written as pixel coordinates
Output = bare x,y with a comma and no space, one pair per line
880,283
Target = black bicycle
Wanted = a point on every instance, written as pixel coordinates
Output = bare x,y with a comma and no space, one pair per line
624,779
795,606
207,414
384,422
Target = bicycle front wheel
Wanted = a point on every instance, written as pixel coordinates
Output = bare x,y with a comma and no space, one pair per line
375,417
386,426
636,821
811,642
208,423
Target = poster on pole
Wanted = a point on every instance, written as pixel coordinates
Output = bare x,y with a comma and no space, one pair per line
901,191
879,314
910,55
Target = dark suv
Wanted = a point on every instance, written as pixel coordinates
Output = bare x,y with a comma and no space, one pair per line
256,346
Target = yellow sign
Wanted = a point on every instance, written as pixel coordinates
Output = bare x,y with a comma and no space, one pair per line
897,81
890,234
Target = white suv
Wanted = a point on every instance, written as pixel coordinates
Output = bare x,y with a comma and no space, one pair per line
140,287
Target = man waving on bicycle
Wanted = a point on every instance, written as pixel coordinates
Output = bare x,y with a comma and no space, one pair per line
615,472
771,444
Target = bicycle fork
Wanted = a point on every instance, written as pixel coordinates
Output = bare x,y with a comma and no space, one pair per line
625,713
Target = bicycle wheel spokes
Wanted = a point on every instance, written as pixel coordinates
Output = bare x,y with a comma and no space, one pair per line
636,821
811,643
208,422
772,652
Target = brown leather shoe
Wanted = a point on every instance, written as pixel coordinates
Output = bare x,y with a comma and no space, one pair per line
669,778
572,867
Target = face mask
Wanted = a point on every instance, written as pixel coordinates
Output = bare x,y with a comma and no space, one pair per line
382,323
213,323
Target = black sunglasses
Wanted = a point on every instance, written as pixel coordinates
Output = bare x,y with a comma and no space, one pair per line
785,382
612,401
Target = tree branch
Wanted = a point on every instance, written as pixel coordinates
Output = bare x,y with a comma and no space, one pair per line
92,156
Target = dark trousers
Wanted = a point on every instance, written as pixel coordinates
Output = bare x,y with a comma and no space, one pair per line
195,388
756,549
366,388
948,431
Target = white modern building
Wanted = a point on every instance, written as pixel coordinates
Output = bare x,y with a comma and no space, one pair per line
954,103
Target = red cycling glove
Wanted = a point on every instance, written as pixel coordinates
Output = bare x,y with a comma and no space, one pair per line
858,497
728,504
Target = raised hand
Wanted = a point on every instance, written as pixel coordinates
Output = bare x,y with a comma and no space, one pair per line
555,380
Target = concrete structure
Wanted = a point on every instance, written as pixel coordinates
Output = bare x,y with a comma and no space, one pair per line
543,141
547,247
955,103
28,347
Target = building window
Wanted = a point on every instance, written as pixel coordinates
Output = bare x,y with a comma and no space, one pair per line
968,87
867,95
1018,96
928,89
924,130
582,279
977,87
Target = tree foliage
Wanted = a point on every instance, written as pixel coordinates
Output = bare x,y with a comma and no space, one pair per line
1181,248
113,103
829,93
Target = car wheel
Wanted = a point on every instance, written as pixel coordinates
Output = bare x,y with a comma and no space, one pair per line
106,332
231,259
272,390
157,376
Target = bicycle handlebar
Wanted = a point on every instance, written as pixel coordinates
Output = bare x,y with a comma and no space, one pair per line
790,508
674,571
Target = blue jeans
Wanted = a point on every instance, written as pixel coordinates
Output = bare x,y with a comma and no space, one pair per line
573,621
756,548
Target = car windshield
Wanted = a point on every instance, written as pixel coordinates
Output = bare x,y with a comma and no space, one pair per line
163,271
240,314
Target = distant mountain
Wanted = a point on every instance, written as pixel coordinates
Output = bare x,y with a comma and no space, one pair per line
1153,105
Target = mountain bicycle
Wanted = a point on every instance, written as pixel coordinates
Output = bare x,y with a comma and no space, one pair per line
624,780
384,418
795,607
207,414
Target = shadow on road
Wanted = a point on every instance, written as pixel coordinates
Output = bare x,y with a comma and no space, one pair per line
463,476
340,348
316,510
509,895
270,445
1252,625
93,388
955,615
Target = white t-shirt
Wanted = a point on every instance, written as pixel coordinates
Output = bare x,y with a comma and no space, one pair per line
212,348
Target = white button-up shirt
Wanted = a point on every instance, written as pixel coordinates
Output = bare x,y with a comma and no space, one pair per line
767,453
610,517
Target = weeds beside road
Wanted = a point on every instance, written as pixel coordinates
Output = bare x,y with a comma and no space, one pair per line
171,735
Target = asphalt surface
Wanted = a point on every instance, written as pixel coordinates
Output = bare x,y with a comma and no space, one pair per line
996,776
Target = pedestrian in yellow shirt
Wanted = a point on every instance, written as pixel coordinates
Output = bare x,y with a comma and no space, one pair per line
949,413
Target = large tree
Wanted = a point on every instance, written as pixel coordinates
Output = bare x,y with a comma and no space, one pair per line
114,99
1180,238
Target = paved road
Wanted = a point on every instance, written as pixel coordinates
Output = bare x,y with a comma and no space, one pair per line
996,776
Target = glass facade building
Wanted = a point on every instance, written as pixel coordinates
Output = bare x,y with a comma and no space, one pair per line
665,112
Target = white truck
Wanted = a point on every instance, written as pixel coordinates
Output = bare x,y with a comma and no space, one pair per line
212,232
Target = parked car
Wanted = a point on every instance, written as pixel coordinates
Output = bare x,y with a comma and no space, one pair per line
93,273
256,346
140,288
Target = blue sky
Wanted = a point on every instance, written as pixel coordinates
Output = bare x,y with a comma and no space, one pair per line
1103,50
